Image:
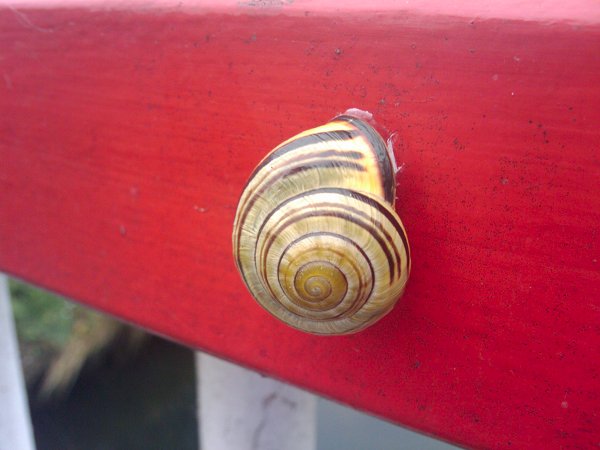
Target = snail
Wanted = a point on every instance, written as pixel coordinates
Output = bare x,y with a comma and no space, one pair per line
316,238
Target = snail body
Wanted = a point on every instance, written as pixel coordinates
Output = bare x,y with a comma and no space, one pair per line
316,238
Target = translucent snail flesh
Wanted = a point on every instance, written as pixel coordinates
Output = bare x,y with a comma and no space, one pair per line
316,238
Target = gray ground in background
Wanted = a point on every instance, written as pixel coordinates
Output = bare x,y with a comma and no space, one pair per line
340,427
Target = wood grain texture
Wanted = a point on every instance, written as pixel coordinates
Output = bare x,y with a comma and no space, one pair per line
126,137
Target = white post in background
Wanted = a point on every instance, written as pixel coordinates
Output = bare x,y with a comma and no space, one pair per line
15,423
242,410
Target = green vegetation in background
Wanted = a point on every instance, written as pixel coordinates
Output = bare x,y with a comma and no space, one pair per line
127,399
58,337
41,316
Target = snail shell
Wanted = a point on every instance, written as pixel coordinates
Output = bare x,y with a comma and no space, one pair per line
316,238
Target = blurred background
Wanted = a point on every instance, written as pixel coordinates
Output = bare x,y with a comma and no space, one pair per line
96,383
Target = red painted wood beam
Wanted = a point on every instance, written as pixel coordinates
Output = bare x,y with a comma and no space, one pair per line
127,132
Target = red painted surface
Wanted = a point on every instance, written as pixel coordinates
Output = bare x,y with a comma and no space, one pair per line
126,137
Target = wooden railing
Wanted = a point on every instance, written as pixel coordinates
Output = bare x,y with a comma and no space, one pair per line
127,133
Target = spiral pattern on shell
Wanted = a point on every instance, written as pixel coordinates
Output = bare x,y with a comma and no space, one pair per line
316,238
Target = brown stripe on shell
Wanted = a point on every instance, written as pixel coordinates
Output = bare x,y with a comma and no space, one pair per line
279,162
283,162
371,230
352,194
319,310
311,139
344,238
289,171
347,208
386,168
